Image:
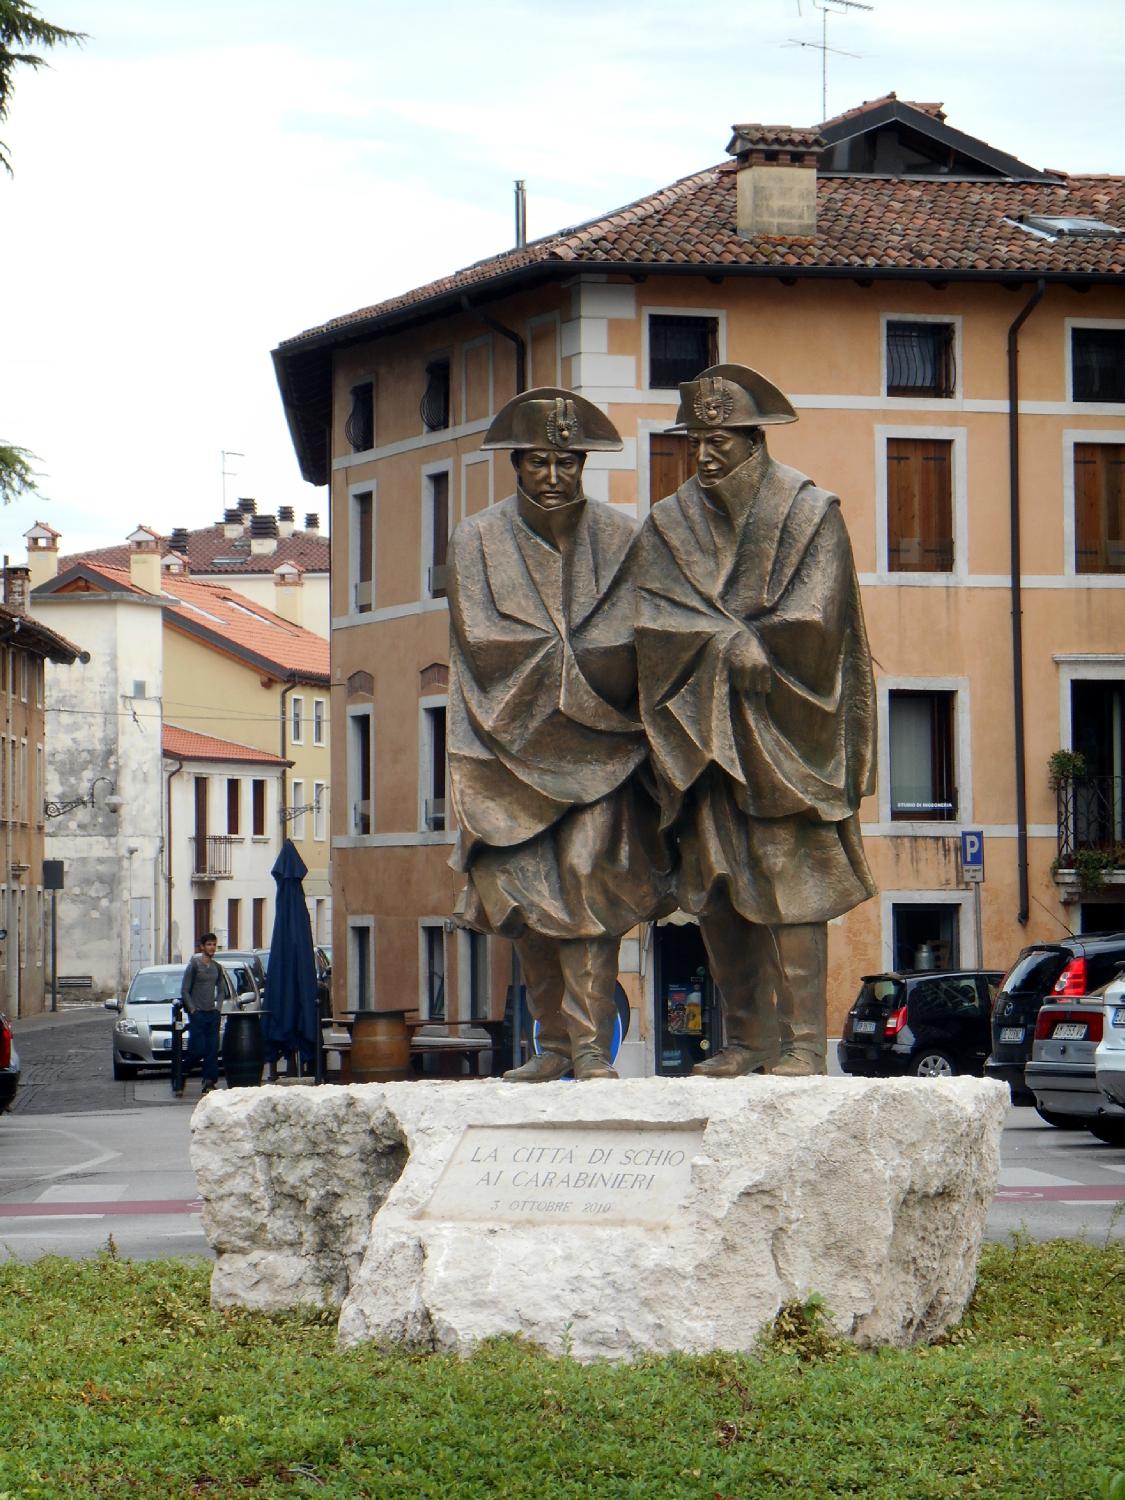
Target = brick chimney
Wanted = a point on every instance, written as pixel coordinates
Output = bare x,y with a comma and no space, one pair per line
42,552
144,559
263,535
17,582
775,180
284,520
289,582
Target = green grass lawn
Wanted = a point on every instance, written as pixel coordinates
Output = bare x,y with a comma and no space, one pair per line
117,1379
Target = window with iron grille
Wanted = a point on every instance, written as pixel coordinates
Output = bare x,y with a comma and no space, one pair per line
920,359
359,429
679,348
919,505
923,776
1099,507
1098,364
434,405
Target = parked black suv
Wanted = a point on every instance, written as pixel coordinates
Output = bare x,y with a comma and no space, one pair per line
1066,970
931,1024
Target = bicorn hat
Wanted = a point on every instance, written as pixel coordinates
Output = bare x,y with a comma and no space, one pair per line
552,418
731,396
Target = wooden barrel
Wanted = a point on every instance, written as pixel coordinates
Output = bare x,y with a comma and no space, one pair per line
243,1050
380,1050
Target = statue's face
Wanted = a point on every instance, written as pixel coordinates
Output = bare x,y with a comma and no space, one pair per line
551,478
718,451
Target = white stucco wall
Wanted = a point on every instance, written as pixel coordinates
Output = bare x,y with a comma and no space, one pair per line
103,720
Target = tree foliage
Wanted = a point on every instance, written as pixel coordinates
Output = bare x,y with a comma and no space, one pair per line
17,477
22,27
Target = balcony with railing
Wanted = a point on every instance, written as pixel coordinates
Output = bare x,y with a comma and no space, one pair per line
211,857
1091,834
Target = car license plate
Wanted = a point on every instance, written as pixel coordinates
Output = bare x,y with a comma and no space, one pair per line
1119,1016
1069,1031
1011,1033
162,1043
863,1028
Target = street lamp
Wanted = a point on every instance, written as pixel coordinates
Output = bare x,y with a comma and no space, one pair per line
112,802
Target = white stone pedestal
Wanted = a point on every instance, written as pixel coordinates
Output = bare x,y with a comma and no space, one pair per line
605,1218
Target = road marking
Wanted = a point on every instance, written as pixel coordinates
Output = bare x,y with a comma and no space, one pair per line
1071,1192
83,1192
134,1206
1020,1177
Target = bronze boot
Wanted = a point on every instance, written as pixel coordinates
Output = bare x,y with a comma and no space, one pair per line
542,1069
802,1000
539,958
590,971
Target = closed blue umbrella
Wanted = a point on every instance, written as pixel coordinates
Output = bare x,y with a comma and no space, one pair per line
290,1018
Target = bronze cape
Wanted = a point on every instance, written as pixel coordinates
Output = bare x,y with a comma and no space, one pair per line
558,832
763,788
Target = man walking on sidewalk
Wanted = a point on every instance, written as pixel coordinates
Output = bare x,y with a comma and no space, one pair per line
202,1000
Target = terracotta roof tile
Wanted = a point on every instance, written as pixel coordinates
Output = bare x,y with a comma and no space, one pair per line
209,551
881,223
185,744
246,626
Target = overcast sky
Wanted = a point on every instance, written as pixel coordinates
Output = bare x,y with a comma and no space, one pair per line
205,178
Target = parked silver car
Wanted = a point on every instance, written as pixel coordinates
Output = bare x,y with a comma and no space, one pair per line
1109,1058
1062,1072
142,1033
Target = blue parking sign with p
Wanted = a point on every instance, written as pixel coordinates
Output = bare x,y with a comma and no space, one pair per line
972,854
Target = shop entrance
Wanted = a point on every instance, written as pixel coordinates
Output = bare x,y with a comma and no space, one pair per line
688,1024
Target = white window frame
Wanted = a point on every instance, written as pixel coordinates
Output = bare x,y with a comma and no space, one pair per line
465,976
430,924
355,491
662,393
966,927
320,811
426,706
255,836
362,711
1069,325
1071,437
297,719
1099,667
895,402
319,720
355,999
959,476
962,750
427,530
297,819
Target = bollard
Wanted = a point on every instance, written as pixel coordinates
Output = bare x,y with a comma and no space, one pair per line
179,1026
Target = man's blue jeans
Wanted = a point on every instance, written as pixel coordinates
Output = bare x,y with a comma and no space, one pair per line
203,1043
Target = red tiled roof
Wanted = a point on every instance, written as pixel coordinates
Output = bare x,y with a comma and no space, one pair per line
209,551
38,637
185,744
774,135
222,615
863,223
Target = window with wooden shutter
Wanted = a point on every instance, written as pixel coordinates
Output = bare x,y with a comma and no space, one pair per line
919,505
669,464
437,526
1099,535
363,514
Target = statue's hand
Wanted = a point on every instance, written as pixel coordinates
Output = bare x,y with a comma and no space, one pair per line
748,664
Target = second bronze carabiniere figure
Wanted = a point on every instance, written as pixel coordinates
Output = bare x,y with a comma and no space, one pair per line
758,702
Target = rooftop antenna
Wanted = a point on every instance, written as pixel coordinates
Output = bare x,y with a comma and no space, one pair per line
228,473
826,8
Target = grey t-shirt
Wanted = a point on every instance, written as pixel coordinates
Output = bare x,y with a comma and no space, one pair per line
199,990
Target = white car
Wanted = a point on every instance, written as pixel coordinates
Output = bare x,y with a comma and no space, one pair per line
142,1033
1109,1059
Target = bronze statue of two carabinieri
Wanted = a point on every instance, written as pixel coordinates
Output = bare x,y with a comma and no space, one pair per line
680,715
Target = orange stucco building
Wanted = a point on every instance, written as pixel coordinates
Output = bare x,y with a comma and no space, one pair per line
948,323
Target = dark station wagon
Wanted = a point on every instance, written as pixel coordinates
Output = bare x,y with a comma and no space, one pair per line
929,1024
1067,970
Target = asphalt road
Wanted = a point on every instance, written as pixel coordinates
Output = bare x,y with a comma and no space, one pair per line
83,1158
